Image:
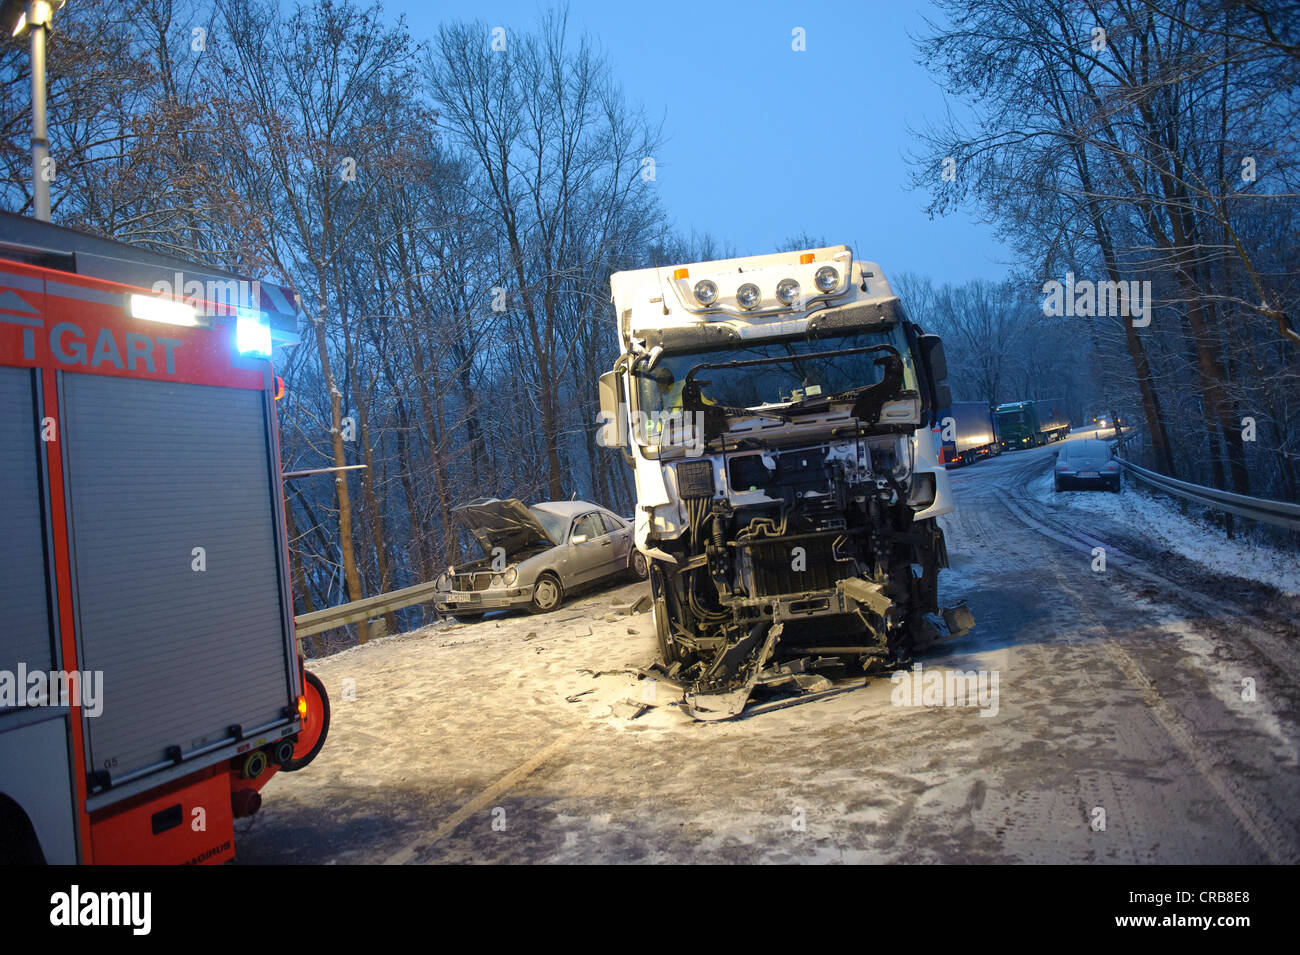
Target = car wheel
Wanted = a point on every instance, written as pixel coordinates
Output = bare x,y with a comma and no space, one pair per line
547,594
640,567
1056,486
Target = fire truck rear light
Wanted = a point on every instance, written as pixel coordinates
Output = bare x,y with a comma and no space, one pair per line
279,387
151,308
302,707
252,334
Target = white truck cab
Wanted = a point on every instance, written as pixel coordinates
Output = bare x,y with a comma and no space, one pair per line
776,410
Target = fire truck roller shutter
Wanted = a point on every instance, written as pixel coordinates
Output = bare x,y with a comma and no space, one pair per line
25,635
34,765
190,642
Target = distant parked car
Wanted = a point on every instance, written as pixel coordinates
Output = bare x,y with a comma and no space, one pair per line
1085,464
535,556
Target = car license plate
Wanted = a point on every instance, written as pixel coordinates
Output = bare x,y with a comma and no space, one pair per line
463,595
1089,474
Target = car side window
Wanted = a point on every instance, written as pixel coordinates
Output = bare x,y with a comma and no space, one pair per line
611,523
587,525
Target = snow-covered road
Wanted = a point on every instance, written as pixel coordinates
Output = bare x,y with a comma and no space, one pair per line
1144,713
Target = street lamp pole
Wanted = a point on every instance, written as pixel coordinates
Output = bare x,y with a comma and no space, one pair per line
35,16
39,19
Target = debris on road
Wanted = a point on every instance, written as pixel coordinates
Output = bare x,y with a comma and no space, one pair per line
628,709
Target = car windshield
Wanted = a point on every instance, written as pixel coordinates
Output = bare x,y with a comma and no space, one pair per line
807,373
553,524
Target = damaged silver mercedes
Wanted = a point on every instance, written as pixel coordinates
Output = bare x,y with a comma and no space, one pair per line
533,557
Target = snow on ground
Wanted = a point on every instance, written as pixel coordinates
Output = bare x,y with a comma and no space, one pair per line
1159,520
533,722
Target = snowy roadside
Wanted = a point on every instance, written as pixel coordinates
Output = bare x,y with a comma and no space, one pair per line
1160,521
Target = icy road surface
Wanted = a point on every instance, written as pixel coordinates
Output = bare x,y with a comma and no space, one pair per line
1147,713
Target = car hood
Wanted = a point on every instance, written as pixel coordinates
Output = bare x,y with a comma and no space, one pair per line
506,524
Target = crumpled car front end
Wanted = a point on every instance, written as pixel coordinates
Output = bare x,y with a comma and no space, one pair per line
503,579
476,589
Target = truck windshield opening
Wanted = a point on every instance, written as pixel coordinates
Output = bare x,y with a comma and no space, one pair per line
813,369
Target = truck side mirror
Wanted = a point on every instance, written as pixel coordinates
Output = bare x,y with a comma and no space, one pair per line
609,405
612,424
936,366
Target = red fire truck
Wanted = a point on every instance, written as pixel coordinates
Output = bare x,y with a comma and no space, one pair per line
150,682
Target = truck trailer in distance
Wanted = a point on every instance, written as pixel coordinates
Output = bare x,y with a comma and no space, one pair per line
1029,424
150,682
965,432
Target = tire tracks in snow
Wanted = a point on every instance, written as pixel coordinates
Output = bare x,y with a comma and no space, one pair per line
483,800
1253,814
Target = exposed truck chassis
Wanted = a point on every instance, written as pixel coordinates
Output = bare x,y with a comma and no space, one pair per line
834,571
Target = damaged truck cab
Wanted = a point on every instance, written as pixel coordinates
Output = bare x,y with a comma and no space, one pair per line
776,411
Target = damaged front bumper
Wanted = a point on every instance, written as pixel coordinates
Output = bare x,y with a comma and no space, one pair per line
481,601
753,660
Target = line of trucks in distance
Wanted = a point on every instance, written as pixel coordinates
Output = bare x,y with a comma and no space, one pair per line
969,430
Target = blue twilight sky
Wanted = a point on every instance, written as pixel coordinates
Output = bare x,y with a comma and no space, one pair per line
724,79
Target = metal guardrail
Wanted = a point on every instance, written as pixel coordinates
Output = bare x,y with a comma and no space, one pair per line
1277,513
359,611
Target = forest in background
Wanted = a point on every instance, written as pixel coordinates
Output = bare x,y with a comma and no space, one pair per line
449,213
